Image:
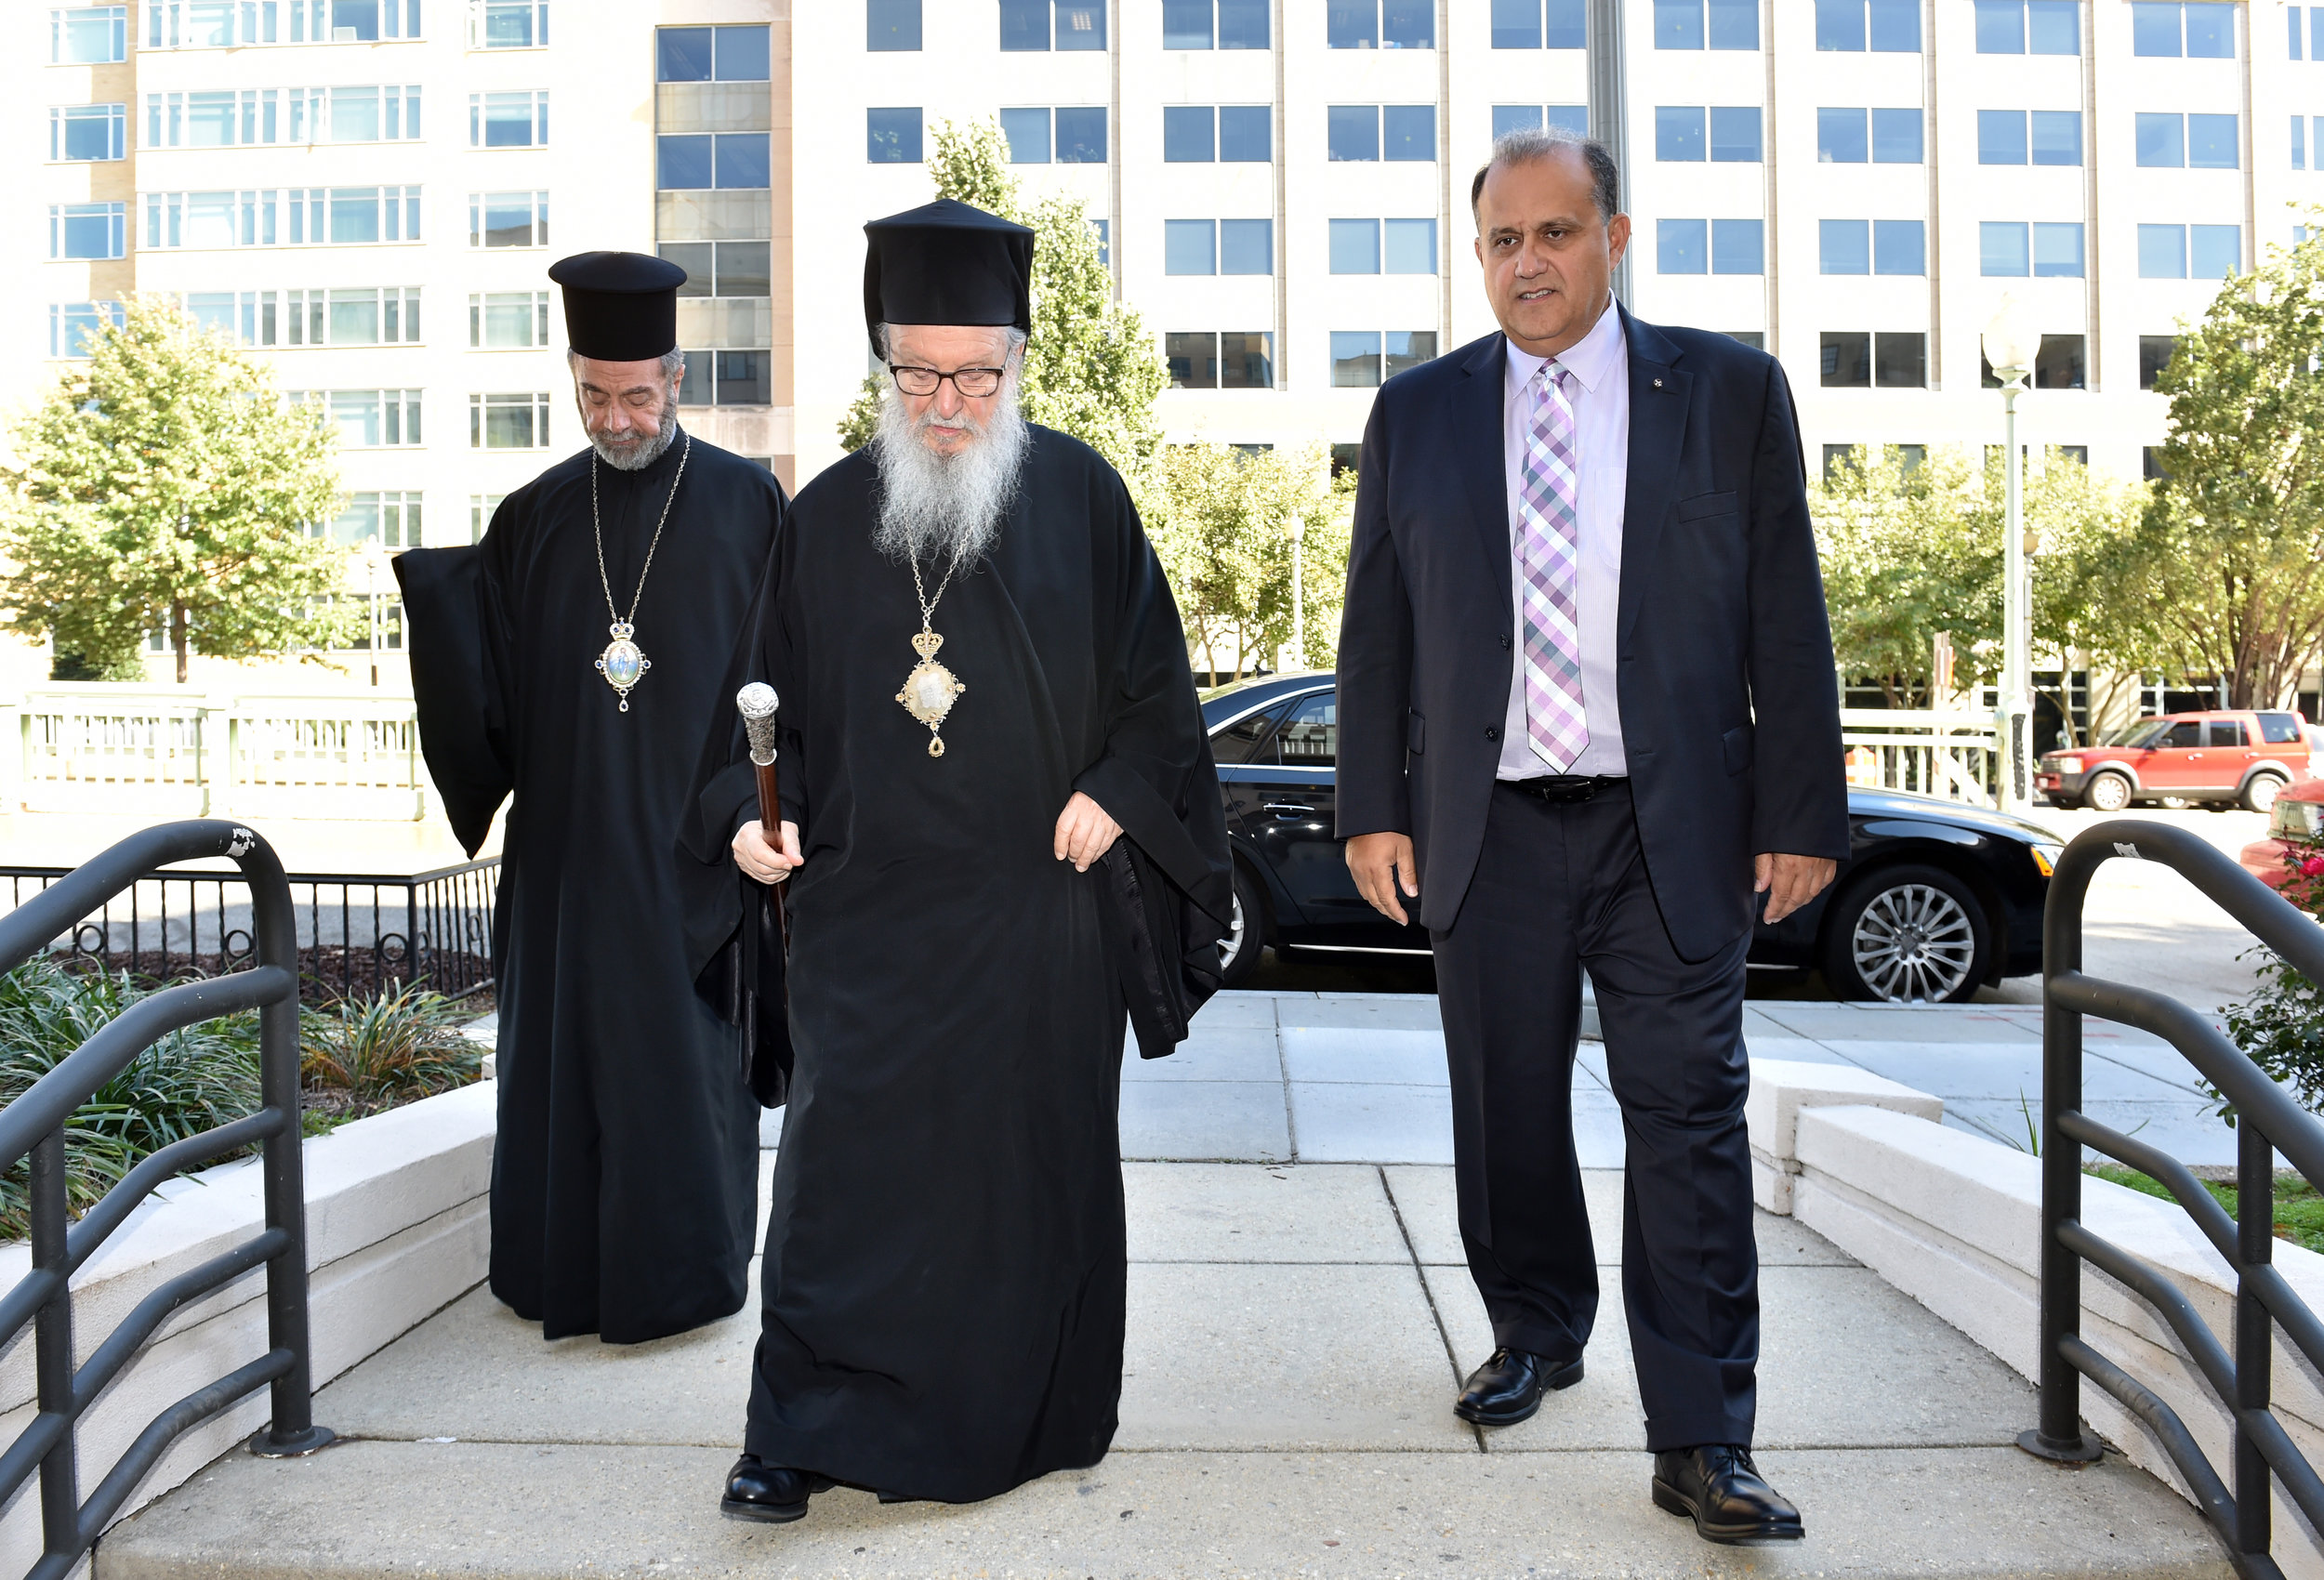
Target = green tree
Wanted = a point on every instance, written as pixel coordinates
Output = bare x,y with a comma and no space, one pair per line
1090,367
1227,546
2231,544
164,483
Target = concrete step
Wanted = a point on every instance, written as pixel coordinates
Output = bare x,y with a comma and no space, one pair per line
511,1511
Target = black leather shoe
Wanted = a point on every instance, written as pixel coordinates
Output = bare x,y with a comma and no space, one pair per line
1508,1386
775,1495
1717,1487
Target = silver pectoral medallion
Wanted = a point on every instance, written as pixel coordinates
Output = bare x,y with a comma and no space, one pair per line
930,690
621,665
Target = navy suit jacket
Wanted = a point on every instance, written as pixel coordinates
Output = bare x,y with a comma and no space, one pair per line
1724,662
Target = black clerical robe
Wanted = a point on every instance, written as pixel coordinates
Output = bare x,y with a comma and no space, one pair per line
624,1179
945,1269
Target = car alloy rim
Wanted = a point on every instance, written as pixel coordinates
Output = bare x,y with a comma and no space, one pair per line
2109,793
1232,944
2265,789
1914,945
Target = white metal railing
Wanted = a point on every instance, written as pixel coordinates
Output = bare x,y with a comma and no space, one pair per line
104,748
1951,755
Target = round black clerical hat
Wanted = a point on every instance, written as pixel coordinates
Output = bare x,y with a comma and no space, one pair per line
947,263
619,306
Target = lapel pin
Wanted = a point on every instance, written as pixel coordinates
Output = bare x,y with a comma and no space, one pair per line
1657,384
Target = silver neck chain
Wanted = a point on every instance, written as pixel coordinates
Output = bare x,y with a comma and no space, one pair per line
596,528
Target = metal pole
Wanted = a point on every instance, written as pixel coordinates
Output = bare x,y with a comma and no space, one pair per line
1299,593
2015,706
1608,115
2255,1330
52,1352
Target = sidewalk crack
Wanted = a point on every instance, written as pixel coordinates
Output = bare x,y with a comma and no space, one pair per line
1444,1336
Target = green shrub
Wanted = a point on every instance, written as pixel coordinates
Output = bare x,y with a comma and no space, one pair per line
388,1048
2280,1026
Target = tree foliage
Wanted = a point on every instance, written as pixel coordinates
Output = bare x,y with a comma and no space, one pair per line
164,483
1090,367
1226,544
2232,541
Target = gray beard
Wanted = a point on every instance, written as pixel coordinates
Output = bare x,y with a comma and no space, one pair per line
947,508
642,456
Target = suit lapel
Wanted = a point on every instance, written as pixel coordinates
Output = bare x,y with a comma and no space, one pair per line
1658,403
1477,424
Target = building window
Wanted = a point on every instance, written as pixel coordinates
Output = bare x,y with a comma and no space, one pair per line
1371,131
366,419
2173,141
1879,25
1559,24
1247,134
1735,134
1190,246
1193,360
2300,143
1899,247
711,54
1408,349
508,422
507,119
1688,25
1356,358
480,511
508,24
2030,27
1723,134
508,320
95,35
2059,363
1755,338
355,114
743,376
1196,134
1079,134
2179,252
1190,134
892,25
1379,24
2039,137
2002,249
246,318
2204,29
1353,132
1408,246
1355,247
508,219
1239,24
1845,247
226,24
1900,361
2057,250
1682,246
392,521
1847,360
363,315
1024,24
345,216
2162,252
1679,134
1027,134
89,132
1853,360
87,230
1246,246
229,118
1574,118
2154,355
1104,227
734,161
73,326
892,136
1738,246
722,269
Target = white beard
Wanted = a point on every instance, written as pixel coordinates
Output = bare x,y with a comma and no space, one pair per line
947,508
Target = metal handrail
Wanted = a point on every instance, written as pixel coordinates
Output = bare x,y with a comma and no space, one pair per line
34,1124
2268,1122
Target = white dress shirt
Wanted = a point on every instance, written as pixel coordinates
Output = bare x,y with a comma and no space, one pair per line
1600,365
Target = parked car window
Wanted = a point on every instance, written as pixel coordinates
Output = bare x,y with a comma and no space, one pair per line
1246,741
2187,732
2228,733
1310,738
2279,729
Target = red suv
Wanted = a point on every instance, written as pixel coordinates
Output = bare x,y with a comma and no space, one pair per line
2230,758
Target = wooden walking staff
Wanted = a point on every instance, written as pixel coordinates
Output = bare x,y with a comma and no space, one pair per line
756,702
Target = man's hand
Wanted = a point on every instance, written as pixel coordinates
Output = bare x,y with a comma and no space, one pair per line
1084,832
756,855
1382,865
1789,882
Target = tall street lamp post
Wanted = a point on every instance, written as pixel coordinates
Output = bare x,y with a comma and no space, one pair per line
2012,341
374,556
1299,593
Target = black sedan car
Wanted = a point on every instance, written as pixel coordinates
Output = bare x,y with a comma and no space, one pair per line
1935,901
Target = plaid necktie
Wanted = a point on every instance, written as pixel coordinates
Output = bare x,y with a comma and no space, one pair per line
1549,561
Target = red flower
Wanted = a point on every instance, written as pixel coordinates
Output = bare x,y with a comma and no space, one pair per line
2313,866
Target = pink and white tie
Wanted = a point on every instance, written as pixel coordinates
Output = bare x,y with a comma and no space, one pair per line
1549,561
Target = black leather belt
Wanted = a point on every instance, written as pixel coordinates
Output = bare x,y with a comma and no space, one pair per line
1564,789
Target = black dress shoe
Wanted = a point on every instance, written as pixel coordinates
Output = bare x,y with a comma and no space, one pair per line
1508,1386
1717,1487
775,1495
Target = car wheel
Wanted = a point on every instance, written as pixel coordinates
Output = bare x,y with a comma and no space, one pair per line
1238,952
2260,790
2107,793
1907,935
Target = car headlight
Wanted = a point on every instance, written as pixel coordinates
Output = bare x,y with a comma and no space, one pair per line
2046,858
2066,765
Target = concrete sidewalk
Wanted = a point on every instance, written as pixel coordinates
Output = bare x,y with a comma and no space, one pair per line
1300,1320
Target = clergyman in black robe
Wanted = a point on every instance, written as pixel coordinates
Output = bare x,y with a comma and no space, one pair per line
944,1266
625,1178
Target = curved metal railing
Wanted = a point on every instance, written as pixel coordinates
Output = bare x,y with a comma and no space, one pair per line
2268,1122
34,1124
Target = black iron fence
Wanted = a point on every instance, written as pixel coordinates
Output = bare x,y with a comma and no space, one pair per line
2268,1122
356,933
34,1124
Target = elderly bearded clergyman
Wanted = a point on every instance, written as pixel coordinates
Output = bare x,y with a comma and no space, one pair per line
983,684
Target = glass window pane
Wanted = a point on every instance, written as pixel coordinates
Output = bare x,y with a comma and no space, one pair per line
1081,134
1847,361
1896,136
1840,136
742,160
1246,134
1354,131
1738,246
1080,24
1246,360
355,114
683,55
1895,26
507,119
2211,31
1678,24
1408,24
2162,252
1355,247
2000,136
1735,134
212,310
508,219
1900,361
1027,134
1354,359
1514,118
354,214
684,161
2161,139
2211,142
1516,24
1735,24
2057,249
1352,25
2056,137
355,317
1682,246
1024,24
1185,24
892,136
1575,118
2058,365
741,378
2002,248
210,121
2054,27
356,19
1243,24
742,54
1564,25
91,36
1408,246
1190,246
1193,361
1899,247
744,268
1406,349
1188,135
2215,252
1409,131
2153,27
1840,24
508,315
1679,132
1845,247
2154,355
1246,246
2001,27
892,24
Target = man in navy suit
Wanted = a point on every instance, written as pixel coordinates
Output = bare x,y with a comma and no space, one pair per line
1587,714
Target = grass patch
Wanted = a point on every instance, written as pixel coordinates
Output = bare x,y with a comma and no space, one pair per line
2299,1208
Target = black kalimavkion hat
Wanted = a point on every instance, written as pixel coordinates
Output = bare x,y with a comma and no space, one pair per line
948,263
619,306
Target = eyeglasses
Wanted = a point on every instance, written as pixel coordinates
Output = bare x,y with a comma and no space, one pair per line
974,381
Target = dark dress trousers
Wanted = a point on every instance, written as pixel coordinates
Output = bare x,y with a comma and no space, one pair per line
1730,724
